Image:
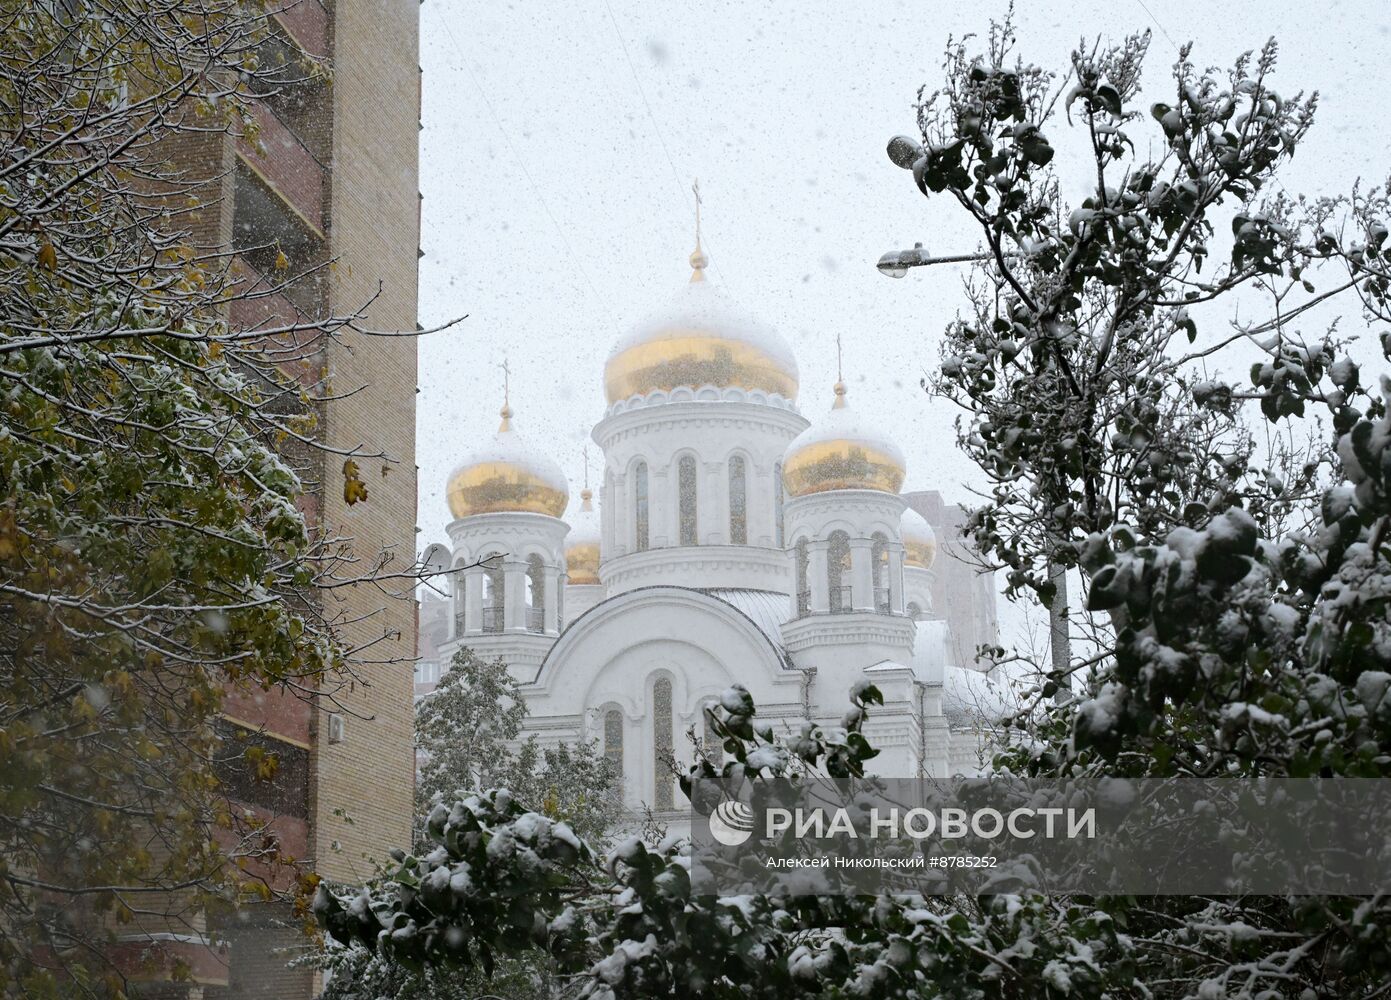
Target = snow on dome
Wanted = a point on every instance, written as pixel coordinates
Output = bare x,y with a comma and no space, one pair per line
507,475
919,540
842,452
582,543
700,339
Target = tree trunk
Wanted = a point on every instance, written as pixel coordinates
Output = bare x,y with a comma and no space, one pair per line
1060,643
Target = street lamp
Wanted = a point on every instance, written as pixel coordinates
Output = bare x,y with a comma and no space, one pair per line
906,153
896,263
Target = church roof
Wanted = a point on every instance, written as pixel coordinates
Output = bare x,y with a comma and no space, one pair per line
765,608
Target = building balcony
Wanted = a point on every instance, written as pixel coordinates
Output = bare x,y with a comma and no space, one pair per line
306,23
287,166
535,619
492,619
841,601
265,226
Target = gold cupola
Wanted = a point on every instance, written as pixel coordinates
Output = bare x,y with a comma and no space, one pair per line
919,540
582,543
841,452
507,476
701,339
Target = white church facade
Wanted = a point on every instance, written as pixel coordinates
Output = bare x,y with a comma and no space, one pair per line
733,540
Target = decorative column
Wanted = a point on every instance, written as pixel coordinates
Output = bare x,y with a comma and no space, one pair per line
458,605
895,581
551,595
758,504
661,508
712,516
861,574
473,600
816,577
622,506
607,503
794,609
514,586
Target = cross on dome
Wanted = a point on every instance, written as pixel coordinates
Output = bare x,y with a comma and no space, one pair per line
699,261
506,424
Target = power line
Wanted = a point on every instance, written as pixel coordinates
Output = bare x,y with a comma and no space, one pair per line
676,174
536,190
1179,48
656,126
1158,25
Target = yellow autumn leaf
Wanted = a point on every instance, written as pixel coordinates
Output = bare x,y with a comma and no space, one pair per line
281,261
48,257
354,489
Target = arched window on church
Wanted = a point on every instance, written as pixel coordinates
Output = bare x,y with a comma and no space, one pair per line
613,748
838,572
709,741
879,564
686,499
738,502
494,593
535,594
777,506
662,797
803,585
640,507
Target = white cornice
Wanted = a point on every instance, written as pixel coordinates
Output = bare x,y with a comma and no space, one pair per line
847,630
785,423
702,396
843,501
738,566
508,524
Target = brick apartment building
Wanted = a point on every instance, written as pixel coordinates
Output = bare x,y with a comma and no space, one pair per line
331,180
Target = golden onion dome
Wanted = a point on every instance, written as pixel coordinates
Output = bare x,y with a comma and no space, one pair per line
840,452
582,543
919,540
507,476
701,339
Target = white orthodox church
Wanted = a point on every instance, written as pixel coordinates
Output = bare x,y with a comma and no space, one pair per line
733,541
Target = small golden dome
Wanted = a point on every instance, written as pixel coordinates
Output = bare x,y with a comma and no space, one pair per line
841,453
506,476
582,544
919,540
701,339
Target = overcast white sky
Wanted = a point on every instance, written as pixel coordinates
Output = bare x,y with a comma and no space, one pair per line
554,216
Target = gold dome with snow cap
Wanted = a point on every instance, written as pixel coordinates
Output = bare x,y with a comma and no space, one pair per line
701,339
841,452
919,540
582,543
507,476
